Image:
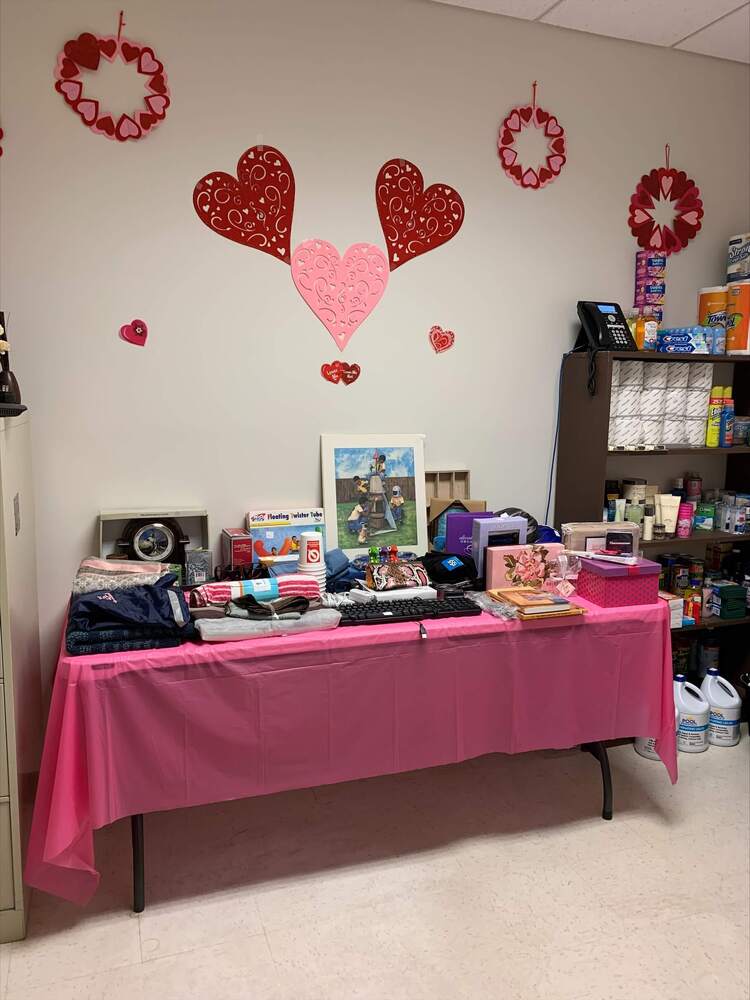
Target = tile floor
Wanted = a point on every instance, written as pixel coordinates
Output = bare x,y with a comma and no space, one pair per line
491,879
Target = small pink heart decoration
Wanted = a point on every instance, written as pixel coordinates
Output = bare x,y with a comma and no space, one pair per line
134,332
341,291
441,339
508,156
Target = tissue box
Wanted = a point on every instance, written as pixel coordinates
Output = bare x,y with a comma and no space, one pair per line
496,531
520,565
616,585
236,547
458,532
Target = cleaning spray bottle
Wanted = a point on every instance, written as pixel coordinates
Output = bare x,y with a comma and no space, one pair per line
713,423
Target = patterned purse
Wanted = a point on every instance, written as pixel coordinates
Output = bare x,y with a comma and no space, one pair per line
397,575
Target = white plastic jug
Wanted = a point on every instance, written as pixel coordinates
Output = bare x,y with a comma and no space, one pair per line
692,735
646,746
725,707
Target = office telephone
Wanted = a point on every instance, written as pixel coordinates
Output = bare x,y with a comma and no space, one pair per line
603,328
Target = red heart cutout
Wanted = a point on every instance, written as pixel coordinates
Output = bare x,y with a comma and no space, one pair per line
148,63
508,157
108,47
88,110
540,116
70,89
129,52
134,332
545,175
441,339
157,104
68,69
106,125
127,128
413,220
507,138
83,50
516,171
642,199
530,179
553,128
349,373
557,146
158,84
332,372
256,207
145,120
526,114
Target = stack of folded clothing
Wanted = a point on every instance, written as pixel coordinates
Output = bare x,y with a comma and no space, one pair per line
292,585
128,614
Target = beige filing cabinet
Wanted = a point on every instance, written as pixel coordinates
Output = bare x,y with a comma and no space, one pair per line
20,681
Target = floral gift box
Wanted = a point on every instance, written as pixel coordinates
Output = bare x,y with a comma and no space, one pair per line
521,565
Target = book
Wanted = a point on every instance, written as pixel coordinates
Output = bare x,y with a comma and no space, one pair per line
530,601
567,613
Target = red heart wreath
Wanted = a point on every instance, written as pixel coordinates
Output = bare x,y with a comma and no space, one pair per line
665,185
85,53
513,124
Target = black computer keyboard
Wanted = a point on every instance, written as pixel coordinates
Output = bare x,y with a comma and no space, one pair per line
415,609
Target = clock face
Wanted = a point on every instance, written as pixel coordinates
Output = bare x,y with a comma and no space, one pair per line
154,542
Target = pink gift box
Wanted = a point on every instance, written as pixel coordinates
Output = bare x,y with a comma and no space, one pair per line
520,565
614,585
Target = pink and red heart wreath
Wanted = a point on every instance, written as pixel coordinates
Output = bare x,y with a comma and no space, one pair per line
665,184
85,53
414,220
514,123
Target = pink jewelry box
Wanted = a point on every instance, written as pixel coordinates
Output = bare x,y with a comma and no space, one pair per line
614,585
520,565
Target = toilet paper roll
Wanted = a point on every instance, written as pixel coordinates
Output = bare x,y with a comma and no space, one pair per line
677,375
674,430
653,402
655,375
615,373
695,432
611,434
700,377
614,398
627,431
653,430
631,373
628,401
675,402
696,405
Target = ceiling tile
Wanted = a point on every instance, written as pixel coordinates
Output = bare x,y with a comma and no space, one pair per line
727,39
658,23
527,9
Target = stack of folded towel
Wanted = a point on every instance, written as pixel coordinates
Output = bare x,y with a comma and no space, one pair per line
127,613
292,585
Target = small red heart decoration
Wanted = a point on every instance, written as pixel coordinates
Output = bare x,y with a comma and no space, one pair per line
158,84
441,339
516,171
540,116
134,332
545,175
129,52
558,146
157,104
83,50
553,127
340,371
68,69
70,89
108,47
148,63
526,114
88,110
127,128
145,120
106,125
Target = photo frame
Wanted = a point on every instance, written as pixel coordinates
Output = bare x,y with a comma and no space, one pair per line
374,491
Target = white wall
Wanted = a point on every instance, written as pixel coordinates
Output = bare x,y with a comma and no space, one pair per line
225,404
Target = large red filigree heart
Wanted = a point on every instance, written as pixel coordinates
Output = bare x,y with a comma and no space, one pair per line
254,208
413,220
84,50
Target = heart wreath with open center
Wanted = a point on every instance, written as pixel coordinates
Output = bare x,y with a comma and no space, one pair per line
85,53
673,189
515,122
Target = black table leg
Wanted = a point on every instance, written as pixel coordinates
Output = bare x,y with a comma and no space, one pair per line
599,751
139,888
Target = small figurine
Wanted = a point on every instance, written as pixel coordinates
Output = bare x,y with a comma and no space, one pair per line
384,554
374,552
394,553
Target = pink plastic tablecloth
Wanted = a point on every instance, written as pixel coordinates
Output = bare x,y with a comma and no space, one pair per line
137,732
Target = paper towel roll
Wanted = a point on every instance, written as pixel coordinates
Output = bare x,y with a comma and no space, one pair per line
627,431
653,430
677,375
628,401
653,402
700,376
674,430
695,432
631,373
675,402
655,375
696,405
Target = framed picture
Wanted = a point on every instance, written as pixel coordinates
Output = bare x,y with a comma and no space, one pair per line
373,491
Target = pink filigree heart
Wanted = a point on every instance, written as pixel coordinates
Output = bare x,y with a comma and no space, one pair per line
343,290
441,339
134,332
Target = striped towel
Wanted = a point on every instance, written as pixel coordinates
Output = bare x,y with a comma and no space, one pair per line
293,585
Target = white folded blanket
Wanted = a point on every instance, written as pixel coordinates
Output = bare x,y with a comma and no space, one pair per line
232,629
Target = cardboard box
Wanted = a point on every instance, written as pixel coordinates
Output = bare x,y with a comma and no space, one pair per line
236,548
520,565
276,532
438,510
